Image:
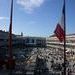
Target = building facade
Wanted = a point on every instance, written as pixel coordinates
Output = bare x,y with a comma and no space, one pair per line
53,41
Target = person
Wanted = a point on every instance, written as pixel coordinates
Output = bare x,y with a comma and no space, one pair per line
69,71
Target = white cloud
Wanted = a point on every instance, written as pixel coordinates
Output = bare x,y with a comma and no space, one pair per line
30,5
3,18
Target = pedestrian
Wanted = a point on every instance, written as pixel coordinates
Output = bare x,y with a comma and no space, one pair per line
69,71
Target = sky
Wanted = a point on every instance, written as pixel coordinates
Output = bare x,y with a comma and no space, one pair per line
36,17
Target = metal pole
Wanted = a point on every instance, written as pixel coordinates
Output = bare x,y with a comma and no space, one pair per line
64,39
10,59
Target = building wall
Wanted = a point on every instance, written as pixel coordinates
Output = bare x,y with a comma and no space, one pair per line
18,40
53,41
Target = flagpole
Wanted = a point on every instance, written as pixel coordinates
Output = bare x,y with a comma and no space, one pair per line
10,31
10,59
64,40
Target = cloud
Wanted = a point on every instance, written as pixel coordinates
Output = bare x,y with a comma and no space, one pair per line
30,5
3,18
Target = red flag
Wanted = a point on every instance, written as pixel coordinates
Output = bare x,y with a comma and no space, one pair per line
59,31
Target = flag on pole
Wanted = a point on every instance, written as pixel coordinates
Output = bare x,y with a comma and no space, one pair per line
59,31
